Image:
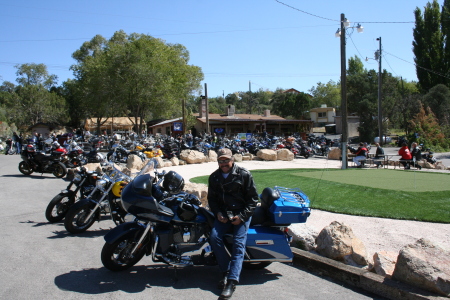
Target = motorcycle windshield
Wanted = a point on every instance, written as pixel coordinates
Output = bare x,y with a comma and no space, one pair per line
148,168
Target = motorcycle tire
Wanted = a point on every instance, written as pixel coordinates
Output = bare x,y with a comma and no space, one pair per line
75,221
255,265
306,156
25,168
59,170
115,256
59,206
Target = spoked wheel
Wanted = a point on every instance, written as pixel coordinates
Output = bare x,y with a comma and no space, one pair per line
256,265
76,219
25,168
59,170
117,256
59,206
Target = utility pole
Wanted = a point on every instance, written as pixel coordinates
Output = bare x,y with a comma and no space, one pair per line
344,96
380,114
207,109
183,102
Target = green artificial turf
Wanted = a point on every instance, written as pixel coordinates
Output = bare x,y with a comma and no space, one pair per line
396,194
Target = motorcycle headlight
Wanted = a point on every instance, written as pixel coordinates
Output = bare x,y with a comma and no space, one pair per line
77,178
101,183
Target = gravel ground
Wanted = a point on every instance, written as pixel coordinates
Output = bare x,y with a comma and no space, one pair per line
378,234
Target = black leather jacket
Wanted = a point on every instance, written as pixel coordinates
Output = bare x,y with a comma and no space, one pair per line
236,193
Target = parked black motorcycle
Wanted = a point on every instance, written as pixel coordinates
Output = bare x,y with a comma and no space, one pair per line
119,154
84,183
35,161
104,199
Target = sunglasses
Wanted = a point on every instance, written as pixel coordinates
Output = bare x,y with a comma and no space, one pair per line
224,161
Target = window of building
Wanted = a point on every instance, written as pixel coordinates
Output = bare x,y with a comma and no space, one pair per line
322,115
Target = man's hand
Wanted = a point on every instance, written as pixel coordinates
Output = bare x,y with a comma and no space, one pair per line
235,220
221,218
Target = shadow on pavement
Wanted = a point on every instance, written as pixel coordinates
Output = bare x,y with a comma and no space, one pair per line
139,278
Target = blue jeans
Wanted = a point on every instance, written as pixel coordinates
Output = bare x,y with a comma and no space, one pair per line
232,264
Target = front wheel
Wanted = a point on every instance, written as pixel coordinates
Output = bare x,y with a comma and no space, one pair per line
59,206
117,256
256,265
76,219
59,170
25,168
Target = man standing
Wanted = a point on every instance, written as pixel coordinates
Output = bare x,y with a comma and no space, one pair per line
232,197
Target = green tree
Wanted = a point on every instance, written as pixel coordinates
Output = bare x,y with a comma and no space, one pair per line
135,75
328,93
430,133
32,100
438,100
291,105
430,46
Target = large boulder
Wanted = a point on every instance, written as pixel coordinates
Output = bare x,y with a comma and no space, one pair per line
267,154
198,189
135,162
237,157
303,236
175,161
337,240
159,162
96,167
192,156
335,154
247,156
285,154
212,155
425,265
384,263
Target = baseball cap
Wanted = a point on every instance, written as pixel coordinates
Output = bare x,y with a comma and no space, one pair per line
224,152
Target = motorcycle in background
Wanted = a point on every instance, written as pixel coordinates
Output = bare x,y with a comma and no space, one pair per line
84,183
35,161
104,199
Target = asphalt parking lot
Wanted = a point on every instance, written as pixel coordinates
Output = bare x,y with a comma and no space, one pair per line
42,261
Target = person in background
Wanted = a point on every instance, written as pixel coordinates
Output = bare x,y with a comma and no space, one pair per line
360,154
16,142
379,154
189,139
405,156
232,197
416,154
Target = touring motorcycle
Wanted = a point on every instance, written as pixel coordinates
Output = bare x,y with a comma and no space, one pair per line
84,183
171,227
36,161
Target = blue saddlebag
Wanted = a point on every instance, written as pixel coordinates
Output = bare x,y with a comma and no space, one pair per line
266,243
292,207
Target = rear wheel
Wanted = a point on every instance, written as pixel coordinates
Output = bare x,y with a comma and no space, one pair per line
59,206
59,170
76,218
25,168
117,256
256,265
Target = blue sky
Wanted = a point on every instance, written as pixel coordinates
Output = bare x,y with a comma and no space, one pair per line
235,42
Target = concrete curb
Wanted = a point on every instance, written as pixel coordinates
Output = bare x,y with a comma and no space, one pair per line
360,278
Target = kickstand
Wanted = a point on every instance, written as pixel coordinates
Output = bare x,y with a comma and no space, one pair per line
175,274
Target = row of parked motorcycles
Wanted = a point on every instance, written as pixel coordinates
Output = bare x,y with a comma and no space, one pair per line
51,157
155,218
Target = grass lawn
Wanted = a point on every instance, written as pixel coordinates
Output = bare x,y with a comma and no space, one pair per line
395,194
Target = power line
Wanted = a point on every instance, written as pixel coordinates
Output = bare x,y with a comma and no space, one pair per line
302,11
417,66
305,12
